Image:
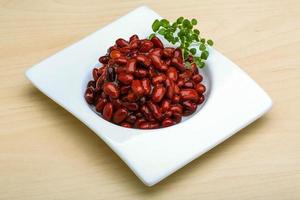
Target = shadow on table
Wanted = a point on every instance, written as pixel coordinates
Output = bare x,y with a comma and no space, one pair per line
88,141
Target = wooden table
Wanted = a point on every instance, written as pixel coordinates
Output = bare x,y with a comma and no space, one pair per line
46,153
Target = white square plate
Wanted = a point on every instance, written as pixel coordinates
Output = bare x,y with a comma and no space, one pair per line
234,100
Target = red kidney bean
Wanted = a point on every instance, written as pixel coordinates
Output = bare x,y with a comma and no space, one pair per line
89,95
176,89
178,53
163,67
165,105
156,51
167,122
131,118
124,89
110,74
91,84
176,99
120,69
121,42
125,78
168,52
146,46
138,122
125,50
190,58
144,125
108,111
126,125
176,108
104,59
189,94
158,79
115,54
120,115
140,73
95,74
167,61
137,87
156,61
189,105
142,100
170,88
131,66
138,114
147,113
188,84
176,117
143,60
186,75
100,105
178,63
157,43
194,68
201,99
158,93
111,90
155,110
180,82
130,106
133,38
103,95
110,49
134,44
197,78
121,61
167,114
200,88
100,82
131,97
146,85
116,103
172,73
152,72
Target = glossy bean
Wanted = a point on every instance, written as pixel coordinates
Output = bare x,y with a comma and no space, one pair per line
125,78
108,111
137,87
189,94
158,93
120,115
111,90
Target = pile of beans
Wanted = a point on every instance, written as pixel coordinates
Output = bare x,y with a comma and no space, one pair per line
143,84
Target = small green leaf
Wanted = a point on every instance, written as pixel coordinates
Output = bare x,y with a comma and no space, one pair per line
186,23
210,42
156,25
164,23
202,47
193,51
196,31
202,40
204,55
162,31
194,21
179,20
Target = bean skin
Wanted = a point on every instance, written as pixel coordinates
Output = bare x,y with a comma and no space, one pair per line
125,89
131,106
108,111
89,95
121,42
156,51
197,78
125,78
176,108
126,125
147,113
111,90
156,42
200,88
158,79
146,85
104,59
201,99
178,63
95,74
120,115
140,73
133,38
168,52
100,105
165,105
189,94
143,60
115,54
155,110
110,74
146,46
121,60
172,74
131,119
137,87
131,66
158,93
167,122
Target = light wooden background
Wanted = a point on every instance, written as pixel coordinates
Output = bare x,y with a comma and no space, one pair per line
46,153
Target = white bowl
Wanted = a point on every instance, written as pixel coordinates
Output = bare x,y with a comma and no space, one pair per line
234,100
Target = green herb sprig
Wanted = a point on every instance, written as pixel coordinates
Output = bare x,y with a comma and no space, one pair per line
182,33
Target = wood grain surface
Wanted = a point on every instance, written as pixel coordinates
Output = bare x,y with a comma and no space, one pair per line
46,153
